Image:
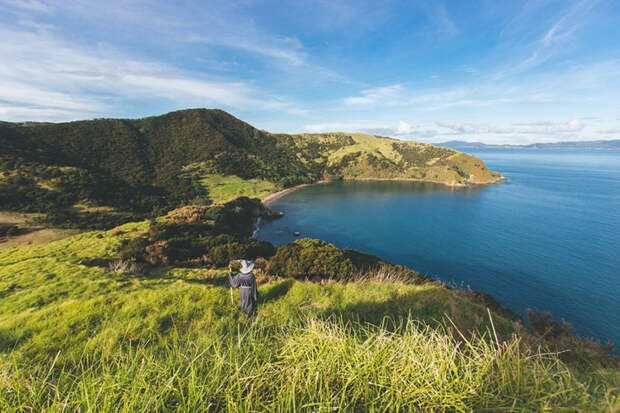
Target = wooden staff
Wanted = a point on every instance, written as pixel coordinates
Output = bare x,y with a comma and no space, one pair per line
232,301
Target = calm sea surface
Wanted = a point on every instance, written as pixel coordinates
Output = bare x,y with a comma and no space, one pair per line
547,239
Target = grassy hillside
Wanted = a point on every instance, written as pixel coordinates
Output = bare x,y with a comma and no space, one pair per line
337,329
362,156
145,167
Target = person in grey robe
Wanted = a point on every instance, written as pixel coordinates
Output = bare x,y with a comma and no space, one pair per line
245,281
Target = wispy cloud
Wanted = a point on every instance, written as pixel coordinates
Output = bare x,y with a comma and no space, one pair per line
327,65
9,112
286,49
29,5
534,128
400,129
333,127
609,131
45,75
570,84
569,22
439,17
441,98
553,40
379,95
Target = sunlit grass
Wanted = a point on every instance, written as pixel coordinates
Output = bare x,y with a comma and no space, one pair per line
75,336
224,188
313,365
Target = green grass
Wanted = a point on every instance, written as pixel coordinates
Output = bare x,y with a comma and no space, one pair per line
76,337
224,188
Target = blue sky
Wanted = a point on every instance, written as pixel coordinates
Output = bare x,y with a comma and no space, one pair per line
490,71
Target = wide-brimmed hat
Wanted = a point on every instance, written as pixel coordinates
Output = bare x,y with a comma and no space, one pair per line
246,266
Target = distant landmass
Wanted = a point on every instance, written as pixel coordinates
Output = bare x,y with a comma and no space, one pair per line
600,145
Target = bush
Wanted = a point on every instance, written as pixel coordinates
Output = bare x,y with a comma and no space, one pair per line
307,257
134,249
544,325
198,236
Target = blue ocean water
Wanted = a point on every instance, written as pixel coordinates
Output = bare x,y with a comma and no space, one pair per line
547,239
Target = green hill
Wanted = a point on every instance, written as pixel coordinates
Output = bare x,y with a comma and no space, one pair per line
140,318
145,167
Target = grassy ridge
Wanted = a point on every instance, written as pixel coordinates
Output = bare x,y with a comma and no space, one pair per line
75,335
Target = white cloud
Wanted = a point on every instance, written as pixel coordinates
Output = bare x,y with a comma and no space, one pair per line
230,94
27,113
535,128
287,49
440,99
332,127
553,41
571,20
574,125
378,95
437,14
43,75
39,27
609,131
401,129
21,93
30,5
404,128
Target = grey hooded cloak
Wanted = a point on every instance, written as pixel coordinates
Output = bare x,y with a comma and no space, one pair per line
248,293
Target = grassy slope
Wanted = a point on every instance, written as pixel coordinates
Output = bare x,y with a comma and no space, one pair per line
396,159
74,335
222,188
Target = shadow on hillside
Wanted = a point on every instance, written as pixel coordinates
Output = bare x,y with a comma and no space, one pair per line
215,282
276,291
426,306
391,313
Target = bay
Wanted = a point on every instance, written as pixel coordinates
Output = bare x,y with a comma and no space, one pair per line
546,239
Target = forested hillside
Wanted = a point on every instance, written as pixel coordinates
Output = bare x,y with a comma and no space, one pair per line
145,167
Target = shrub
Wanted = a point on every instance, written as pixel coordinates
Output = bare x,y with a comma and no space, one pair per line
134,249
544,325
307,258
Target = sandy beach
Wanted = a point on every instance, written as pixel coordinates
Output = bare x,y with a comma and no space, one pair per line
272,197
